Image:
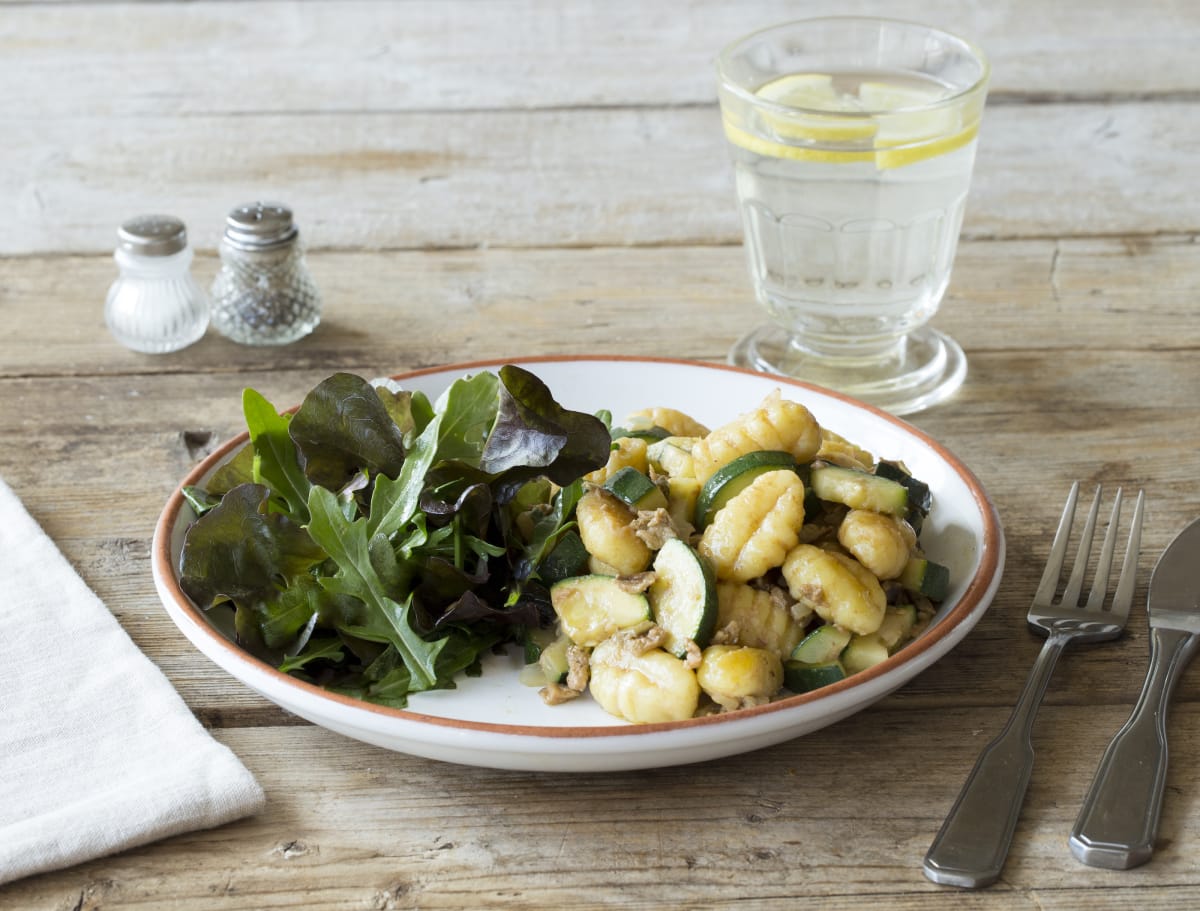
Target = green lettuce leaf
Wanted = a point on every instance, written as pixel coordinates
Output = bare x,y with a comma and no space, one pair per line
275,460
238,470
342,427
383,545
242,551
532,432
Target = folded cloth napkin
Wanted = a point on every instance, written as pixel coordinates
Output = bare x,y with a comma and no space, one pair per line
98,753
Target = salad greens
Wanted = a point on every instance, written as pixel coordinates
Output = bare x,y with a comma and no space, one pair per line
377,544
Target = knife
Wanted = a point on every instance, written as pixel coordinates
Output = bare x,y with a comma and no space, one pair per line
1119,817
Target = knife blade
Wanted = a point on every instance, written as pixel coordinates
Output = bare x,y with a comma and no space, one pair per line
1119,817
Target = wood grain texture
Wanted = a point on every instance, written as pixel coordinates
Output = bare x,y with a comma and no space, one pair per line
485,180
520,178
215,58
390,311
826,821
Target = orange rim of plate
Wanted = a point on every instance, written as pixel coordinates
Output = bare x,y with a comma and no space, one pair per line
970,600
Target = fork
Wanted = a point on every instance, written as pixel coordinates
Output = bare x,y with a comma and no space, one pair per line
971,847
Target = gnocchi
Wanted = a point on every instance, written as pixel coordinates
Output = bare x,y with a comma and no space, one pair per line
736,676
606,526
880,542
780,587
777,424
839,589
628,452
757,528
764,618
642,687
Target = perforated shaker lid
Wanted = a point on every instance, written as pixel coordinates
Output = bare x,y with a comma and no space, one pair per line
152,235
258,225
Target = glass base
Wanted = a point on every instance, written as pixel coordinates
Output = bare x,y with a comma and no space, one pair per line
924,368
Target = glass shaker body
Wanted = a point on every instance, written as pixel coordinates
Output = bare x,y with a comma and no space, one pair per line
155,306
263,293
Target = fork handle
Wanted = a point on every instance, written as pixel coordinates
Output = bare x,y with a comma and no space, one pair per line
971,847
1119,817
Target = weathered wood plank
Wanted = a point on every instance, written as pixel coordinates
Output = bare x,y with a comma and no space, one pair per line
572,156
547,178
826,821
94,459
399,310
207,57
1067,351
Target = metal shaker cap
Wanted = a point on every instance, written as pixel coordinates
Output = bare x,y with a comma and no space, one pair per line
152,235
259,225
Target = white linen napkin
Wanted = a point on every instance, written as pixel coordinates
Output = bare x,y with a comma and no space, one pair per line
98,753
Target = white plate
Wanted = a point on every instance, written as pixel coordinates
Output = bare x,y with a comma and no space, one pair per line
497,722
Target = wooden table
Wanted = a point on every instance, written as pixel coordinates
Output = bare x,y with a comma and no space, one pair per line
481,180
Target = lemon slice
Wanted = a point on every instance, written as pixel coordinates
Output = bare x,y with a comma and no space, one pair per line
908,136
891,96
888,123
814,91
770,149
808,92
908,154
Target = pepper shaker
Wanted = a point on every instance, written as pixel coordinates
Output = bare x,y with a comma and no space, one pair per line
155,306
263,293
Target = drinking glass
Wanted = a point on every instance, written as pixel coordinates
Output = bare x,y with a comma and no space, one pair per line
853,141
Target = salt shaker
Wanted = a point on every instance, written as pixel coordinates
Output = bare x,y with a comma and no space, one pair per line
155,306
263,293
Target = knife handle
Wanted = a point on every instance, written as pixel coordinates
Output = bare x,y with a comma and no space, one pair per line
1119,817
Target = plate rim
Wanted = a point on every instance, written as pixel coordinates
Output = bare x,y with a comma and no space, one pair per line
974,600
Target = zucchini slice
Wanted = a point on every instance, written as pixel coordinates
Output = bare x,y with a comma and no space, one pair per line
553,660
802,678
672,456
863,652
920,500
919,496
592,608
927,578
635,490
683,596
545,657
730,480
822,645
650,434
682,494
898,623
859,490
568,558
547,650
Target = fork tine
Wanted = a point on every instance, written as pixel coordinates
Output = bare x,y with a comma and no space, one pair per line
1058,551
1123,598
1070,595
1095,599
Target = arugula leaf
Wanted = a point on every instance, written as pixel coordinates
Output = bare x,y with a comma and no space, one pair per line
287,622
275,460
341,427
455,430
348,544
329,648
381,545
